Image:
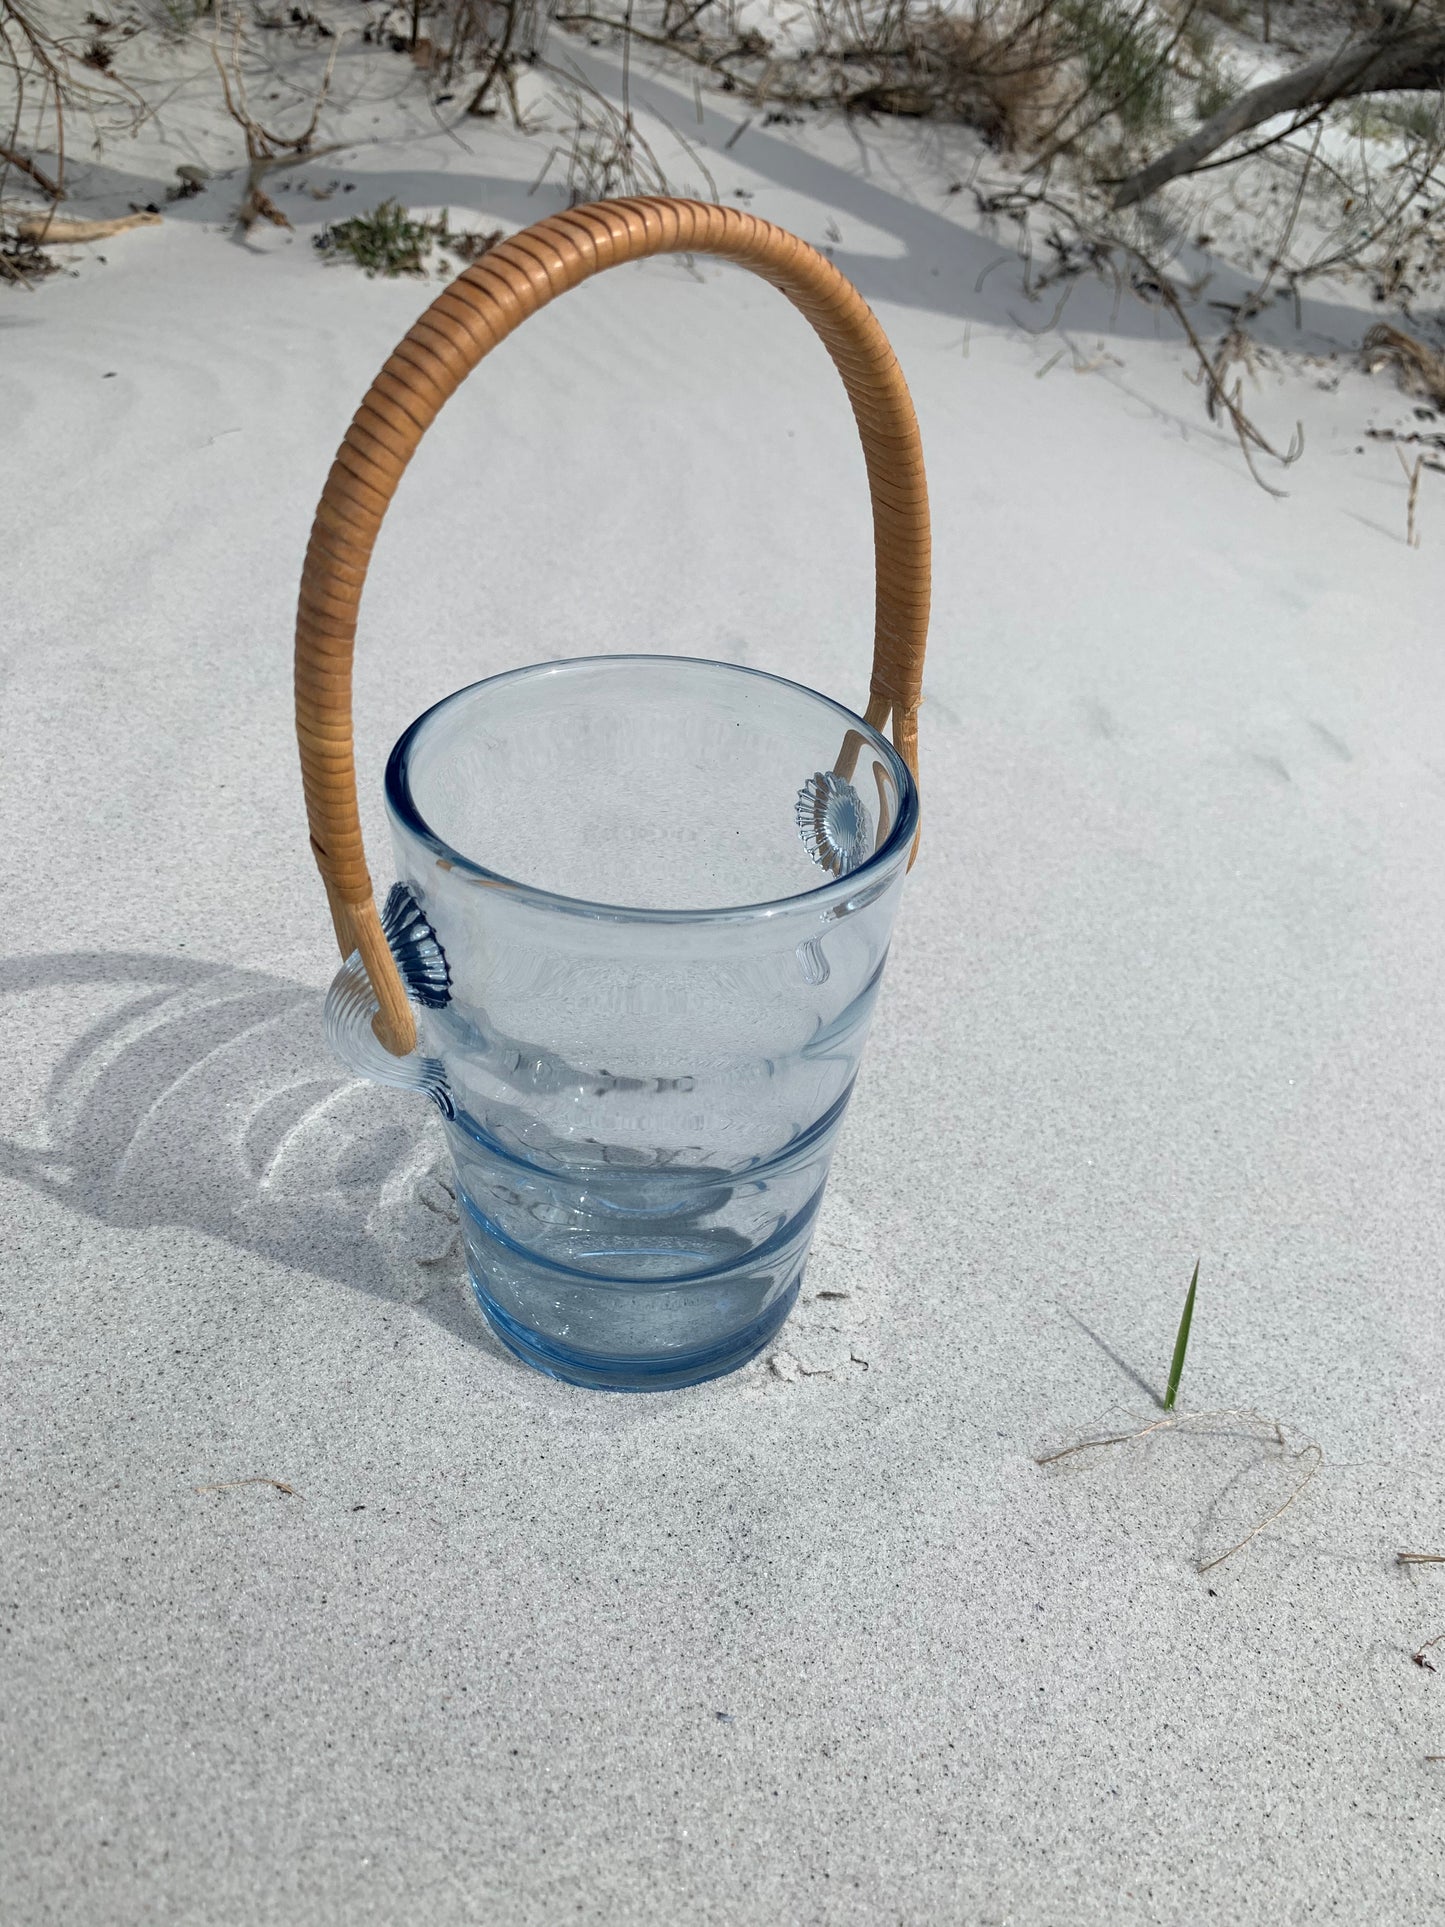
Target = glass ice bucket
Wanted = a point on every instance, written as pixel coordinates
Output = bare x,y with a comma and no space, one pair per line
645,901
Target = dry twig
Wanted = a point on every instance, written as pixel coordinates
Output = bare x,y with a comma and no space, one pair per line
11,157
265,150
49,76
1316,1458
230,1485
1176,1421
1412,477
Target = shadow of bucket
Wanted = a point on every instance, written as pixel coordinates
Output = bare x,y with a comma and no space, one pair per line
205,1096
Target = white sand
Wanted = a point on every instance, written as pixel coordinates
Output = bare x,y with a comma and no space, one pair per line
1168,982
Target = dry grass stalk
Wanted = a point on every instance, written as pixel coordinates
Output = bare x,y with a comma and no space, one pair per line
1310,1454
1412,499
1170,1422
1428,1665
1421,370
231,1485
1313,1457
607,156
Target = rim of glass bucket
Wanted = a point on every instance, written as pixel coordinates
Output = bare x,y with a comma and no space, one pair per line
403,807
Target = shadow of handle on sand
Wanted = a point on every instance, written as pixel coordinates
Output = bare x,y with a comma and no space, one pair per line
205,1096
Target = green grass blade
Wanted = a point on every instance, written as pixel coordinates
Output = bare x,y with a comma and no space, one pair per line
1181,1344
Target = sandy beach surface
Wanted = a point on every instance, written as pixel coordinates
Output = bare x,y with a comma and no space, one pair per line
822,1642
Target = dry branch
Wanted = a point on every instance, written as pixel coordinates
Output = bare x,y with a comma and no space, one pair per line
11,157
1412,62
54,229
265,150
46,75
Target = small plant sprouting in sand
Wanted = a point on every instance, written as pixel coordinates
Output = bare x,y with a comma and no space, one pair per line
390,240
1233,1424
1181,1344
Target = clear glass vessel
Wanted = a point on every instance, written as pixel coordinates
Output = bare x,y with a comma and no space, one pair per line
644,911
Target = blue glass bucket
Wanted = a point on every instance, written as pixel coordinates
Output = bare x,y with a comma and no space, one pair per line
642,1018
645,901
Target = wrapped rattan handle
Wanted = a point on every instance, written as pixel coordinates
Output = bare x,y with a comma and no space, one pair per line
478,310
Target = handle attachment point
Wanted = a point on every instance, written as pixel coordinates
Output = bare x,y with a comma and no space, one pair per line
350,1019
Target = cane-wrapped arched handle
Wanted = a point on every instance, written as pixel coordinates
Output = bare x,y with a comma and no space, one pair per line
482,307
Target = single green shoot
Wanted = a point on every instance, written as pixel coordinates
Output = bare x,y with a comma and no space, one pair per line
1181,1344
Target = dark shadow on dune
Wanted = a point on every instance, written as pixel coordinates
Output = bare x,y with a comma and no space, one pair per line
205,1096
